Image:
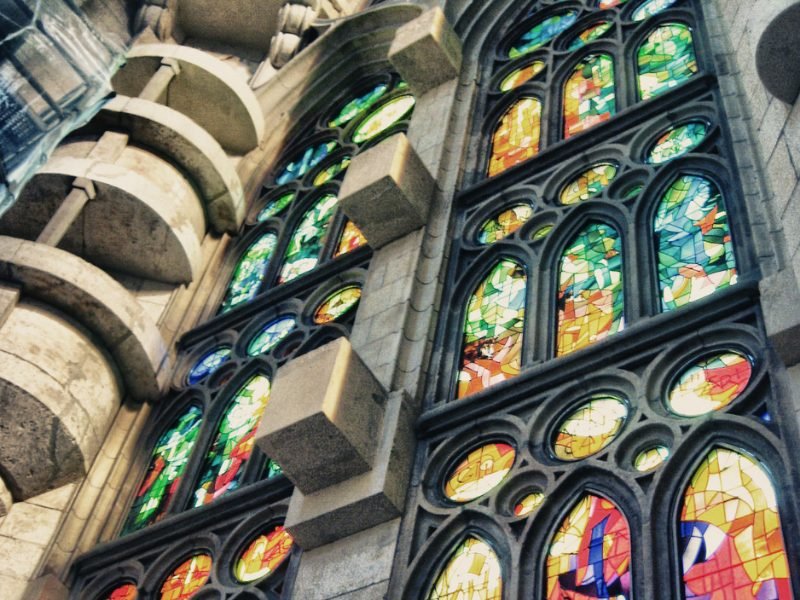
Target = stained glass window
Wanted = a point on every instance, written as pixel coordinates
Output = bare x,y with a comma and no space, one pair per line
590,34
665,59
249,272
693,242
332,171
542,32
517,136
590,555
350,239
271,336
589,94
493,329
233,444
337,304
305,161
305,245
589,184
472,572
528,504
677,142
209,363
276,206
519,76
126,591
651,458
383,117
710,384
731,532
358,105
164,471
479,472
650,8
590,295
542,232
263,555
189,577
610,3
590,428
504,224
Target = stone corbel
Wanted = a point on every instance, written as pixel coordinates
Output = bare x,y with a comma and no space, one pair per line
777,55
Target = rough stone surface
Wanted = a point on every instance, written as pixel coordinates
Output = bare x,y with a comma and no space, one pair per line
781,318
6,500
9,296
775,25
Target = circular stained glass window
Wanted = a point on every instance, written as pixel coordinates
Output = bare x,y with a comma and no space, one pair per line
208,364
383,117
270,336
275,206
479,472
590,428
337,304
650,459
527,504
263,555
589,184
504,224
710,384
677,141
189,577
519,76
126,591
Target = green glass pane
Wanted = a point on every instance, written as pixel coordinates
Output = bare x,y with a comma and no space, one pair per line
273,469
271,336
249,272
383,118
305,161
305,245
332,171
541,33
665,59
358,105
208,364
677,142
650,8
276,206
590,34
589,184
504,224
589,94
632,192
542,232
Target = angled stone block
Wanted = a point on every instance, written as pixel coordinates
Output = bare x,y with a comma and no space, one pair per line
387,191
320,423
780,294
426,51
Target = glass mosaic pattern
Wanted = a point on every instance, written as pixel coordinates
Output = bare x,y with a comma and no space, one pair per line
224,464
273,469
127,591
731,532
305,161
187,579
589,184
519,76
276,206
650,8
693,242
264,555
208,364
337,304
590,428
650,459
493,329
542,232
481,471
504,224
305,245
590,34
271,336
665,59
590,292
249,272
383,117
590,555
473,572
710,384
359,105
589,94
332,171
164,470
517,136
350,239
677,142
610,3
541,33
528,504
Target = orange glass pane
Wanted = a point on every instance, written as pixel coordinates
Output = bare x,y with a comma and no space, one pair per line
473,573
483,469
519,76
351,239
264,555
589,94
189,577
517,136
528,504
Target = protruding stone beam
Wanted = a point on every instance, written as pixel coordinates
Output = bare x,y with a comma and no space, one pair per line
82,191
779,296
775,25
387,191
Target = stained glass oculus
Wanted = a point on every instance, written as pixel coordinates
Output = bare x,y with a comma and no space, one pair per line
590,34
271,335
528,503
710,384
589,184
517,136
677,141
249,272
332,171
649,8
263,555
479,472
473,572
589,94
358,105
519,76
665,59
541,33
651,458
590,428
209,363
337,304
383,117
187,578
504,223
305,161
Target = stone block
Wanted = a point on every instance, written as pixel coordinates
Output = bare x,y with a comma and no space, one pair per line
30,523
426,51
6,500
387,191
780,296
320,423
9,296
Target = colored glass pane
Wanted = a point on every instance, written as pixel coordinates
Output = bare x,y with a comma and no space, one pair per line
590,293
273,469
271,336
350,239
710,384
164,471
126,591
730,531
233,444
590,34
472,572
589,184
650,8
208,364
517,136
590,428
479,472
610,3
332,171
677,142
528,504
337,304
504,224
665,59
275,206
358,105
542,232
589,96
650,459
632,192
264,554
305,245
383,117
493,329
590,555
249,272
305,161
519,76
187,579
693,242
541,33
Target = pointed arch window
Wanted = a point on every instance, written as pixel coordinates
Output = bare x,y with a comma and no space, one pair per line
249,272
517,136
665,59
589,94
305,245
473,571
